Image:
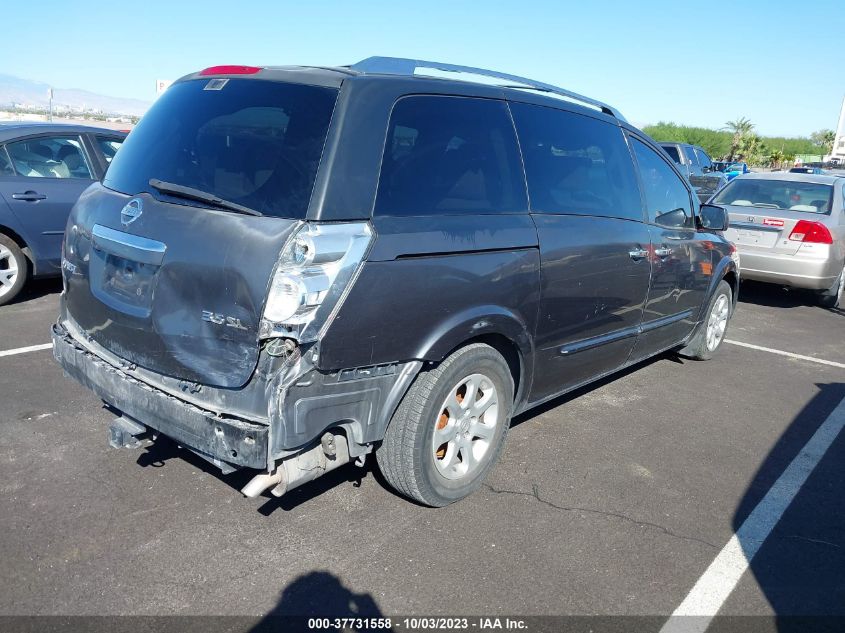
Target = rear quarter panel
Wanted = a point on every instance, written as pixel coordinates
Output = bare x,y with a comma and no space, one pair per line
430,284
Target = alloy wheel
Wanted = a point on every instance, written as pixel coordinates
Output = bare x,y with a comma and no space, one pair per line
717,322
465,426
8,270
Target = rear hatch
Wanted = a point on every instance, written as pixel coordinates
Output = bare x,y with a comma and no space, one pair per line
173,279
765,212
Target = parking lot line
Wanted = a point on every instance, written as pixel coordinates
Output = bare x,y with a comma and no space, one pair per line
789,354
708,595
24,350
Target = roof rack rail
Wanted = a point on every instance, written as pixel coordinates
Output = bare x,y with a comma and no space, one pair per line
403,66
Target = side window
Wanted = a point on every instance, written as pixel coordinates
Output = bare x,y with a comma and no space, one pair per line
704,159
667,197
673,152
576,164
49,157
691,157
108,146
5,163
450,155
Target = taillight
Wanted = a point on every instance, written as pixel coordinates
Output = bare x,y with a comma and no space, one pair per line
733,252
809,232
230,70
314,272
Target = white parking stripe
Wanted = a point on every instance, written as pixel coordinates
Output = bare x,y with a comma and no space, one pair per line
715,585
789,354
24,350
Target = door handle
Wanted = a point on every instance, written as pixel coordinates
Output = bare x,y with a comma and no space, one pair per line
638,253
30,196
662,252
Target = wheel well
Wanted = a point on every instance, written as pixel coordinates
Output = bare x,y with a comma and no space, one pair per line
506,348
5,230
730,277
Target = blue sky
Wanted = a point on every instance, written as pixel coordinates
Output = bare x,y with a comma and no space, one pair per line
696,63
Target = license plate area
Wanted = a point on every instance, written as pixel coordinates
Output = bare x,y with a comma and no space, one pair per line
754,237
128,282
123,269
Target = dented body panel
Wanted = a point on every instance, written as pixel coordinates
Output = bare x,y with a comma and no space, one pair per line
150,313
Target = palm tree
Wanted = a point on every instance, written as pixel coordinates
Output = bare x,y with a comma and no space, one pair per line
776,158
824,139
751,148
738,128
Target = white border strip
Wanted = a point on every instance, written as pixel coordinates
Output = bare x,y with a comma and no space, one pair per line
789,354
24,350
716,584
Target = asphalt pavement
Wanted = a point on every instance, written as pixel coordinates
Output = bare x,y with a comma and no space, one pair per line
613,500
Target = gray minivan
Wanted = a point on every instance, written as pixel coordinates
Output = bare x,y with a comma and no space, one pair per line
287,269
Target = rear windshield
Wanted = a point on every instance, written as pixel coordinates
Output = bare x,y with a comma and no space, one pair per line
788,195
256,143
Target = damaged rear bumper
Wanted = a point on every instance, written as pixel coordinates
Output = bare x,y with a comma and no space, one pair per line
226,439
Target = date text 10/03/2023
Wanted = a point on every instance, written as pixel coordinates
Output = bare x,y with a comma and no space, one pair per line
418,624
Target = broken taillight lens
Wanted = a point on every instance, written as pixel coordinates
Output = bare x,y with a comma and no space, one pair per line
315,270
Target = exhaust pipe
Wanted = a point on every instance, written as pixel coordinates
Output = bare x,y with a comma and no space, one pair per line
332,452
260,483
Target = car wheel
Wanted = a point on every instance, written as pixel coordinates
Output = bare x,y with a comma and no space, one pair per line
13,269
711,331
831,297
448,431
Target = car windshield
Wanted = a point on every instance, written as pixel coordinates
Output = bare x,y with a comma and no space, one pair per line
788,195
254,143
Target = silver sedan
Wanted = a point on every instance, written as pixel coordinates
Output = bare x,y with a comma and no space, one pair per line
789,229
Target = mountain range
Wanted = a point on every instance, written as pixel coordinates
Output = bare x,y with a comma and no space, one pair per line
35,93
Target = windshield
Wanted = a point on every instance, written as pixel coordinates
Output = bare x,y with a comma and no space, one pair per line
251,142
777,194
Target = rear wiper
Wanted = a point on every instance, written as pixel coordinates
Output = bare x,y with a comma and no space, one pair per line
196,194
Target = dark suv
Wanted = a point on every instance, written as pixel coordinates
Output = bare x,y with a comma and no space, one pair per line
289,268
697,165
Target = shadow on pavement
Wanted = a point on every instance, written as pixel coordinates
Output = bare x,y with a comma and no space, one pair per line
318,594
800,567
774,296
37,288
157,454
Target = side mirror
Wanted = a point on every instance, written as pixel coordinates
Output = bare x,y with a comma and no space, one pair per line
713,218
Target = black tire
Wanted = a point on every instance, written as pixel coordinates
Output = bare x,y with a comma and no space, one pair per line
832,297
11,254
697,348
407,456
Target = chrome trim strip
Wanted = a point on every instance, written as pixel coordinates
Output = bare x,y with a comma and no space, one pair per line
618,335
132,247
755,227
